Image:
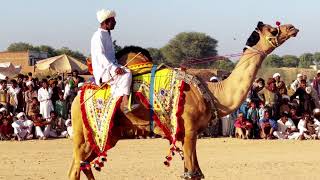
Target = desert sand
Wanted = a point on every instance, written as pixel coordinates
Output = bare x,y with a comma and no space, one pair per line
220,158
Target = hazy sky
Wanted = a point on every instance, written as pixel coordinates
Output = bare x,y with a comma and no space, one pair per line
150,23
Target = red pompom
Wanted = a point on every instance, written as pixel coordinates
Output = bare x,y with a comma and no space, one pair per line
278,23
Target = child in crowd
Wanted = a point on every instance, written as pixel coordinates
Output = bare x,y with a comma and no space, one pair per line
69,128
6,131
61,107
253,117
34,108
262,109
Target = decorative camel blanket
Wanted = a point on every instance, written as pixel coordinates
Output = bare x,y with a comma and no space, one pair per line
98,112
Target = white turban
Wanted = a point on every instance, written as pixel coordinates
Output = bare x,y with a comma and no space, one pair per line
3,109
299,75
29,83
276,75
104,14
20,114
80,85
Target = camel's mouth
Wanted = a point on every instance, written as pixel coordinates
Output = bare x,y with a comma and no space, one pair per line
293,31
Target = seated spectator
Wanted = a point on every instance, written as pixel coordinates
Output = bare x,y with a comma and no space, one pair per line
6,131
41,127
306,130
22,127
253,117
69,128
243,127
284,107
57,126
294,117
286,128
267,126
296,83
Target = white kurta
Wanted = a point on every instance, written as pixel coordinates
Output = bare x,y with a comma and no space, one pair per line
19,130
14,94
282,133
104,64
44,97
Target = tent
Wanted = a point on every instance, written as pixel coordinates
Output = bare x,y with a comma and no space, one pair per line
9,70
61,64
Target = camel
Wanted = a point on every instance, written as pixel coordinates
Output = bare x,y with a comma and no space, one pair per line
227,94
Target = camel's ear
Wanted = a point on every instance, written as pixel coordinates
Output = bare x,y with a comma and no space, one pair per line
260,25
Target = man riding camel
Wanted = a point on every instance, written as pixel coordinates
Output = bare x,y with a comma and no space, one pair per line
104,63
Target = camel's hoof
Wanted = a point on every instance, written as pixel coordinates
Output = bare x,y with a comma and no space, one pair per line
193,175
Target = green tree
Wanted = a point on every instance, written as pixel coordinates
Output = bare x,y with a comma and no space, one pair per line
188,45
20,46
157,56
306,60
67,51
316,58
225,64
290,61
116,47
273,60
50,50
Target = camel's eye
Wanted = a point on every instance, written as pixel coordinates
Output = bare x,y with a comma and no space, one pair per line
274,32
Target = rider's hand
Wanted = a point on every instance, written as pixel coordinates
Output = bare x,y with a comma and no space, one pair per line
120,71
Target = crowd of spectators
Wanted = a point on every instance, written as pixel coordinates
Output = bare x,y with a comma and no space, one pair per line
274,110
37,109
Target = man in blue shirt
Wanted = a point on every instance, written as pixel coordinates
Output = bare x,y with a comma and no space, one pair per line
267,126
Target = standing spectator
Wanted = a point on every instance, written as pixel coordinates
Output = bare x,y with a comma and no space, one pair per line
55,91
316,83
13,95
286,128
34,108
314,96
22,127
271,97
76,77
6,130
296,83
29,95
284,107
277,78
243,127
253,117
3,93
30,78
60,84
257,86
261,111
267,126
61,107
305,100
44,97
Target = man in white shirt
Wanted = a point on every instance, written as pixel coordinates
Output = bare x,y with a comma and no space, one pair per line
22,127
286,128
104,64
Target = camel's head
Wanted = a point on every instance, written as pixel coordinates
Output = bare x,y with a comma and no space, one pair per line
267,38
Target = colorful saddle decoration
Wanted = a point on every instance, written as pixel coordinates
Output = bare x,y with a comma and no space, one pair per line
168,101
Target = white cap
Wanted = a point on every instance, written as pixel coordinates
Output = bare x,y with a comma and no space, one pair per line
299,75
276,75
20,114
318,71
213,78
104,14
308,90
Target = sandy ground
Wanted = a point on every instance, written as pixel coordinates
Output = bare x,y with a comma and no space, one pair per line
220,158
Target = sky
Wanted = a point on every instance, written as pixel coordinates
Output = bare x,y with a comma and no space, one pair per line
150,23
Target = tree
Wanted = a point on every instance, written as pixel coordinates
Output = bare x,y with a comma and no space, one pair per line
273,60
117,48
316,58
50,50
290,61
157,56
67,51
306,60
223,64
20,46
188,45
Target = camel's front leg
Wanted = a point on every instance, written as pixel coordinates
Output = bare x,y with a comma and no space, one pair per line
191,167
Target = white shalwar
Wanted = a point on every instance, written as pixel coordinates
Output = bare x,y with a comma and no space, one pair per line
104,64
44,97
19,130
282,133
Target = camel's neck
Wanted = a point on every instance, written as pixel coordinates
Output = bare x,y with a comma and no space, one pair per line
231,92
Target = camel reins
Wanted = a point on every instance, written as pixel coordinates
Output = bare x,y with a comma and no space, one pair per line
111,78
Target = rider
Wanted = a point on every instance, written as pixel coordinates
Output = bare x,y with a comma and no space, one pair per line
104,64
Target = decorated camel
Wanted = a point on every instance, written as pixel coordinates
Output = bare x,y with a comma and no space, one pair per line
194,108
